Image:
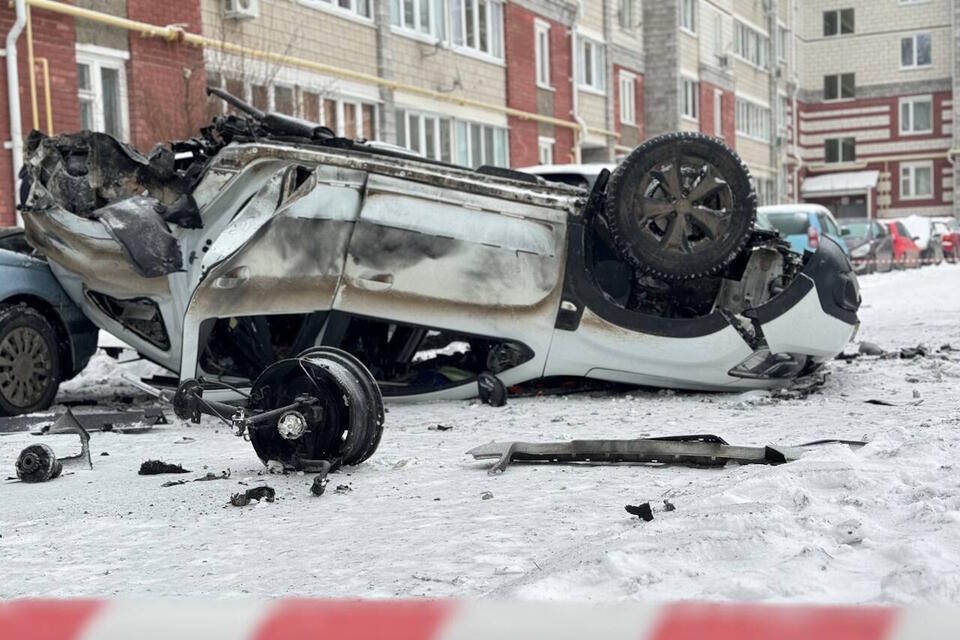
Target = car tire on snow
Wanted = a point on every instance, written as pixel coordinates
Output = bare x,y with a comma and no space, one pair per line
681,206
29,361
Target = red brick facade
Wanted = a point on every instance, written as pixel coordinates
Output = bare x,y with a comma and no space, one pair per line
636,131
522,89
728,113
163,103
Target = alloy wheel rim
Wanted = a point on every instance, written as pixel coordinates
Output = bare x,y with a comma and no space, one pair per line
25,366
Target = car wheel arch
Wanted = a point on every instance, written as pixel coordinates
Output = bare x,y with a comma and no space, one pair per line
49,312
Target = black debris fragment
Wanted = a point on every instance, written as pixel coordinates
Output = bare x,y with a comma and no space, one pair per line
157,467
486,495
441,427
256,493
320,481
909,353
668,506
223,475
492,391
343,488
642,511
37,463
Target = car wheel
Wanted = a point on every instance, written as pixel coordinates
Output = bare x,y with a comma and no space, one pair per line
680,206
29,361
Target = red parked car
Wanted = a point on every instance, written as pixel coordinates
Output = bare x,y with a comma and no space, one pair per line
906,253
949,231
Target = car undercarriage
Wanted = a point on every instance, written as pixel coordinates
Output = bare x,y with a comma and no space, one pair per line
266,235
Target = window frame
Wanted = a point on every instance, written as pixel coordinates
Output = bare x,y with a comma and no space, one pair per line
333,6
840,147
541,29
915,49
687,10
627,15
753,120
911,168
458,30
718,113
911,101
598,64
838,16
751,45
627,86
694,98
545,144
839,77
436,27
97,58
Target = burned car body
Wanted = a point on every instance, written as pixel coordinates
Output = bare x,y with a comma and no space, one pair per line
265,236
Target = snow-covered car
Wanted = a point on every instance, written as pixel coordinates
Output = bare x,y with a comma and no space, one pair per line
926,237
216,256
44,337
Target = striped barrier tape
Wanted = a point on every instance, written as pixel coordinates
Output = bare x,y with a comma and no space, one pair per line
900,263
457,620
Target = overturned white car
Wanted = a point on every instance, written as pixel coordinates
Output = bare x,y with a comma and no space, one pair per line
266,235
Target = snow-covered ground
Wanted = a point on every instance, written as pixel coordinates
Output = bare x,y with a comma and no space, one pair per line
878,524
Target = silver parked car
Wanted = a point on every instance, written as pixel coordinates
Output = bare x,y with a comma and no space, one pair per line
266,235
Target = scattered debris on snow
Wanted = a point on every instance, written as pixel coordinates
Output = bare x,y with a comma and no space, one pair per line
157,467
253,494
642,511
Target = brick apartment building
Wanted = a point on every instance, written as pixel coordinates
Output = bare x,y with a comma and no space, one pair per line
139,89
866,84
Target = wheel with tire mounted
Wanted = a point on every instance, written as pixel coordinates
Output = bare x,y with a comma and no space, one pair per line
29,361
681,206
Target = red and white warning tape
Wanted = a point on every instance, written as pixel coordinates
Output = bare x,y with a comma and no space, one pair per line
899,263
453,620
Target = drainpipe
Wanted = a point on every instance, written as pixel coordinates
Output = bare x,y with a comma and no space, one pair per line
955,148
578,136
13,96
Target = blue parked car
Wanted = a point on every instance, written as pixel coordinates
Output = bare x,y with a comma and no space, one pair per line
44,337
802,225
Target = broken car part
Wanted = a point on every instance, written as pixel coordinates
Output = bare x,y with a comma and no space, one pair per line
218,256
491,389
37,463
642,511
319,409
158,467
133,421
255,493
698,450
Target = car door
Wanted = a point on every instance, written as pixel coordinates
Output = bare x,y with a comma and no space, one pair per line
443,257
884,244
829,228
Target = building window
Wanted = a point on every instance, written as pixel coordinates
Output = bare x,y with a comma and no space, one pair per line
690,98
916,51
427,134
545,150
593,68
541,33
478,25
837,22
783,106
766,192
753,120
480,144
426,17
836,150
628,98
357,7
839,86
783,39
627,14
102,91
916,180
751,45
688,15
347,117
916,115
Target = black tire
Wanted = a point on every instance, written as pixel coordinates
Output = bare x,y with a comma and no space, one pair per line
29,361
696,232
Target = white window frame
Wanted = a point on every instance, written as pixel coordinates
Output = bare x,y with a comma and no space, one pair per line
545,148
688,15
495,32
752,120
488,157
421,117
911,169
751,45
541,46
598,69
97,58
718,113
627,15
436,27
839,13
351,13
914,65
910,103
627,84
783,33
689,98
839,78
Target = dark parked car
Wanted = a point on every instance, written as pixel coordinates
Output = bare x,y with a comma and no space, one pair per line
870,244
44,337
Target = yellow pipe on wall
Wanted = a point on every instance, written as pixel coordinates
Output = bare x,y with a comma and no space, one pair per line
47,98
176,34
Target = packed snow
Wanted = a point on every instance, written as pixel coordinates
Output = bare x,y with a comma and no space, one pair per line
879,524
